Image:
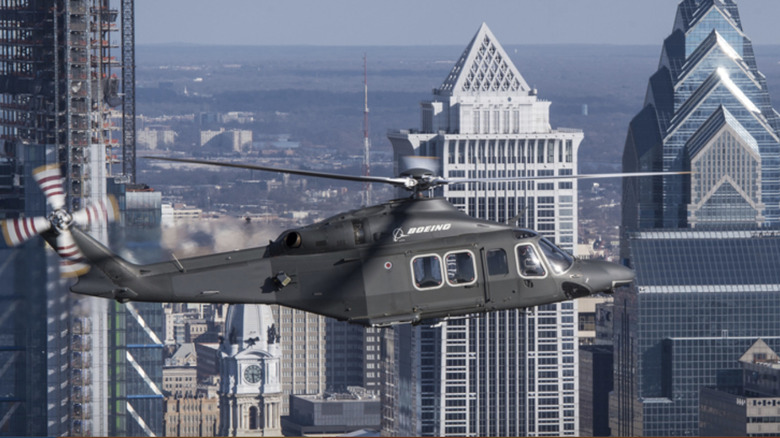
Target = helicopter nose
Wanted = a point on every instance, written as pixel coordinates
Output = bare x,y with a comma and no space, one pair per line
604,276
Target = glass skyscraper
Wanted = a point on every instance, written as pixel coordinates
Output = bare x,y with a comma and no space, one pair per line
705,245
707,109
505,373
135,364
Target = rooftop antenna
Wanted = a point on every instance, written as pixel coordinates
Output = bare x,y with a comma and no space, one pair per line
366,140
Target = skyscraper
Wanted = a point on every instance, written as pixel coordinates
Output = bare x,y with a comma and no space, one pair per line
509,372
352,356
749,407
704,245
707,109
58,89
302,339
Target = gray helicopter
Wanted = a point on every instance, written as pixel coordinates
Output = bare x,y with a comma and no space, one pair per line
403,261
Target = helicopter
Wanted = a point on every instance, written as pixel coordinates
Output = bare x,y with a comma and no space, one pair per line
403,261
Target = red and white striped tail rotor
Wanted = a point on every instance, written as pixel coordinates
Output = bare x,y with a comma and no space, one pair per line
73,262
17,231
50,181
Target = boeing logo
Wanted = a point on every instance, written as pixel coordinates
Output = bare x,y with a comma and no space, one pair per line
398,233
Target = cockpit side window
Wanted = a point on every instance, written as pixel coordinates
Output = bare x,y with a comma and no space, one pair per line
461,268
530,264
496,262
559,260
427,271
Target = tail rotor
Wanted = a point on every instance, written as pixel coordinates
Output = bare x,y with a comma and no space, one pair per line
56,226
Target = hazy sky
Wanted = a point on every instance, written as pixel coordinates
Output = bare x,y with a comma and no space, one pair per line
424,22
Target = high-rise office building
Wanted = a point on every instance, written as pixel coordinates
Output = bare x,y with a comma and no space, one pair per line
59,98
703,245
321,354
302,339
353,356
508,372
700,299
595,370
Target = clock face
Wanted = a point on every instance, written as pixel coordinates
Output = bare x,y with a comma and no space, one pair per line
253,373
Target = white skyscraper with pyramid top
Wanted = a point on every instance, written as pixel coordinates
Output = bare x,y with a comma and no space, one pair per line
485,121
507,373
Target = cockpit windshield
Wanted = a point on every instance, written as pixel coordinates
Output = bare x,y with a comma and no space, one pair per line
559,260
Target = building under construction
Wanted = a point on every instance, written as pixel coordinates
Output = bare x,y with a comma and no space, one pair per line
66,97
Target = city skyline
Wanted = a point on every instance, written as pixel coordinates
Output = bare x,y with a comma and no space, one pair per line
511,373
354,23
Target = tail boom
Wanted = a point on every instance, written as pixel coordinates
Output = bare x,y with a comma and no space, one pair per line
231,277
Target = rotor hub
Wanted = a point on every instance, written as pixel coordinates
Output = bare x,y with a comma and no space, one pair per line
61,219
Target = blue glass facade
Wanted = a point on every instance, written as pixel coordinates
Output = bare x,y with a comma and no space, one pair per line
699,302
34,323
704,246
707,65
136,355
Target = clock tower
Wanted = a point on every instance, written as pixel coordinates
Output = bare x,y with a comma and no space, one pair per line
250,391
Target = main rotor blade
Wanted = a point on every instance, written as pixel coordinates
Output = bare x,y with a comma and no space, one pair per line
562,177
404,182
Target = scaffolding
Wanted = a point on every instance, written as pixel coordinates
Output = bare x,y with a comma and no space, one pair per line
92,91
60,85
128,87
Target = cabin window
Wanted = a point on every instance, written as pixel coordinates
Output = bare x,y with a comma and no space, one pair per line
427,271
530,264
496,262
461,268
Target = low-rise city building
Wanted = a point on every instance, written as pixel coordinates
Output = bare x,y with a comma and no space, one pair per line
751,408
333,413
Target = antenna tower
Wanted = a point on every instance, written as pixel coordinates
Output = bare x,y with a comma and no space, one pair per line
366,140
